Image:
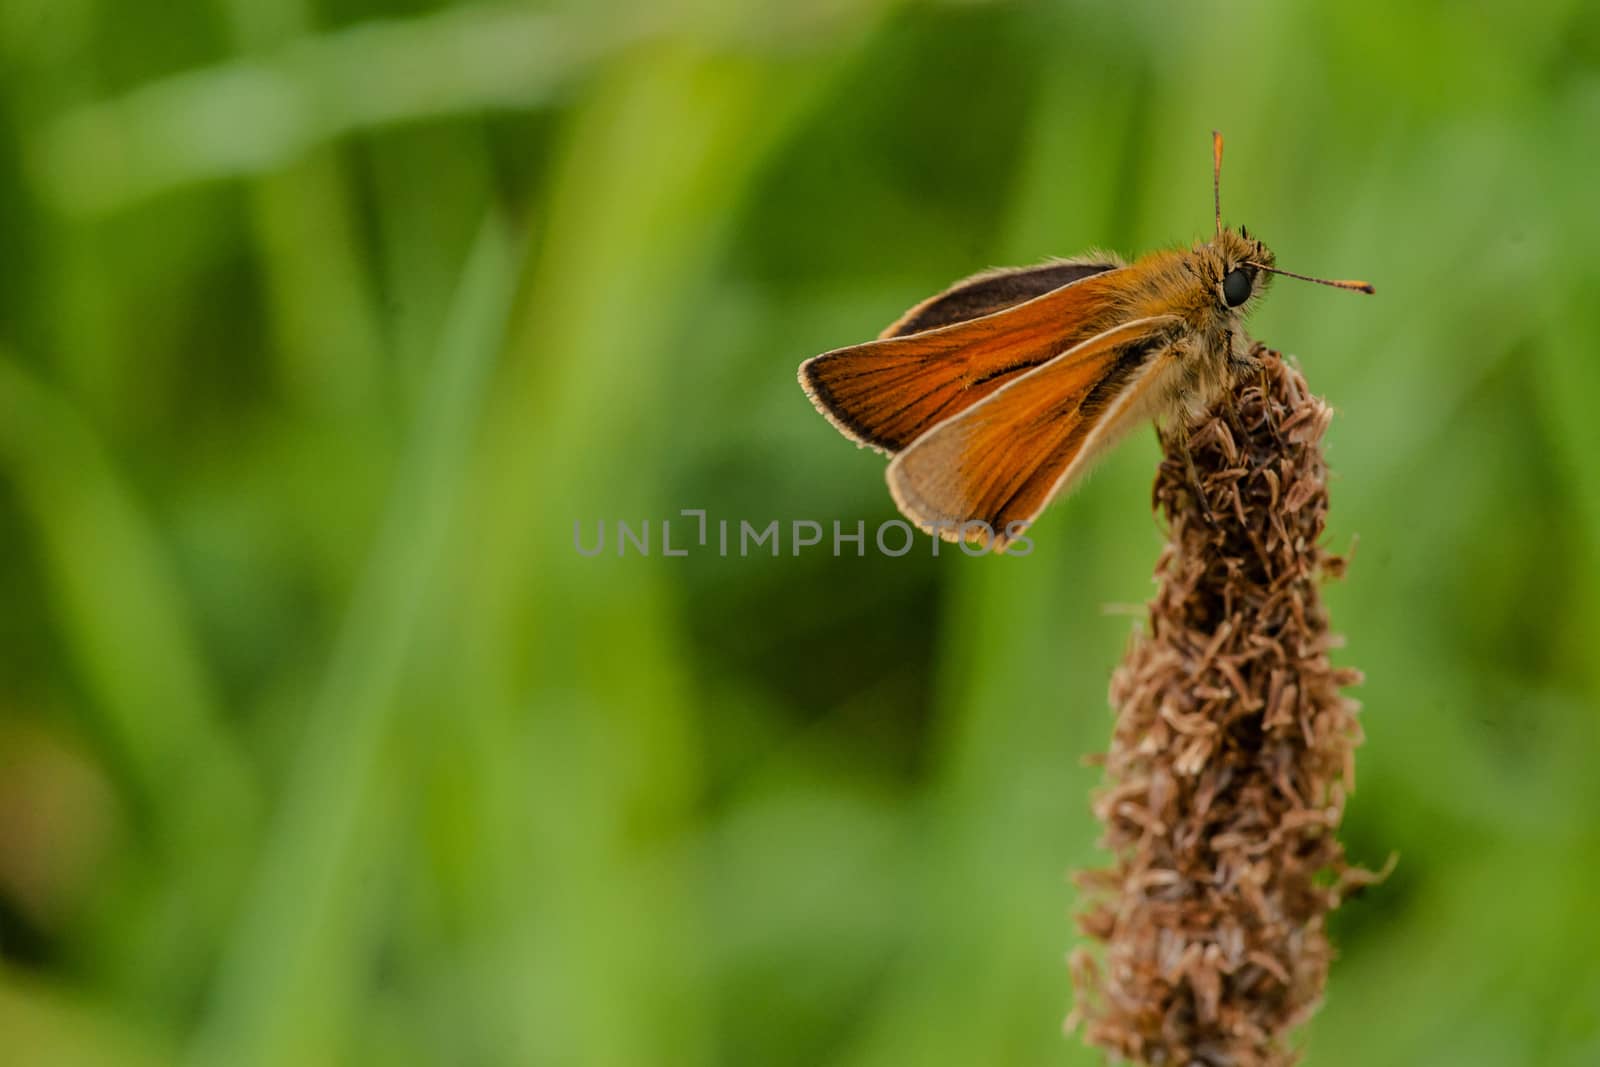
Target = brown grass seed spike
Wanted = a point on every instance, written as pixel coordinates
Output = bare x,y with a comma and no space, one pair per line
1232,756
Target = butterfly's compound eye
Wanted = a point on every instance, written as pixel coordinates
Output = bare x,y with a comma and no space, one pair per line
1236,287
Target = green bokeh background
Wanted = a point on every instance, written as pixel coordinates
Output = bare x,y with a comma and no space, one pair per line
321,324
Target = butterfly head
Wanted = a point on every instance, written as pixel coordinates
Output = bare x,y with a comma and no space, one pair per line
1235,267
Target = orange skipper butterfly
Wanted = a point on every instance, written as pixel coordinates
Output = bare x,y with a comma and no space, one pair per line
996,395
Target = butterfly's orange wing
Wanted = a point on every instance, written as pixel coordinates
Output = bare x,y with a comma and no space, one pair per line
993,467
887,393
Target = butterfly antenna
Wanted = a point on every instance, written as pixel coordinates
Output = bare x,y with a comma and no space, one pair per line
1216,176
1337,283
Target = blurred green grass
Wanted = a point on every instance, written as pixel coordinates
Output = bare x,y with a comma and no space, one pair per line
321,324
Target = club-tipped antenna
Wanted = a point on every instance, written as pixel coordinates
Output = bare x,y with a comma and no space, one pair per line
1337,283
1216,176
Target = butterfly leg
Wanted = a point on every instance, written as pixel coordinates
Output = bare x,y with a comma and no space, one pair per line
1259,353
1252,363
1180,439
1240,366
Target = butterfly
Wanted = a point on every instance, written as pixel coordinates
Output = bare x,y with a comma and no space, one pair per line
996,395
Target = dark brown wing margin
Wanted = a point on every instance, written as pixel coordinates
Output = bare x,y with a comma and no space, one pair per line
993,290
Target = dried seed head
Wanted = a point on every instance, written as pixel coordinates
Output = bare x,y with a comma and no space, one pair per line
1232,754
